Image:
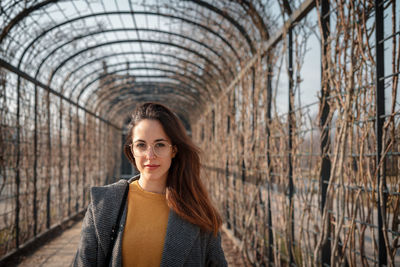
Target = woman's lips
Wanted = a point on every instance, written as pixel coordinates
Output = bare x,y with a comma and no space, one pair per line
151,166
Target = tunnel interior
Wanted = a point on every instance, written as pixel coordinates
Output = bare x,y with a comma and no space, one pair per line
294,104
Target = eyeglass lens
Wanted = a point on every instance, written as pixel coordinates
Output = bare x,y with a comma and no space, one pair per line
160,149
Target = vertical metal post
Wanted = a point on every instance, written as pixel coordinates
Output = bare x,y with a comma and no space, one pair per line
99,141
69,161
253,88
213,124
242,189
380,111
290,137
35,163
234,177
234,203
78,153
60,165
324,125
84,163
228,223
49,165
108,178
270,254
17,175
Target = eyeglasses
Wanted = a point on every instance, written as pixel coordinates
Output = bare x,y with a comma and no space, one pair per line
160,149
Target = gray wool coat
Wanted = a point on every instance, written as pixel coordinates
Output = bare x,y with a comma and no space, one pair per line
185,244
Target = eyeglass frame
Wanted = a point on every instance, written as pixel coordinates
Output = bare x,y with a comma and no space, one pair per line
152,147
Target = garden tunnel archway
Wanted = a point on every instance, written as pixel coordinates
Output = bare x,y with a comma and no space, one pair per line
295,105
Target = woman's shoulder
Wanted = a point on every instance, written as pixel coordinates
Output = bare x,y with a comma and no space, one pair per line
100,190
110,194
110,189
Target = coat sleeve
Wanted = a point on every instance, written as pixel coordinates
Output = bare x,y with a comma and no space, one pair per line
215,253
88,245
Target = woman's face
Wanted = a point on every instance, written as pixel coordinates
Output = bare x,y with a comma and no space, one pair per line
150,132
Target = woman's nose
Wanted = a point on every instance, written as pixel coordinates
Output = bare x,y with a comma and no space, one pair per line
150,152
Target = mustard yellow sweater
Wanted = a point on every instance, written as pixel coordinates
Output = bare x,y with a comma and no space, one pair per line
145,229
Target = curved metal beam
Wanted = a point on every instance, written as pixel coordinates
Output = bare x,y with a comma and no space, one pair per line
144,87
121,91
133,41
136,76
224,14
141,29
98,71
287,7
24,13
127,13
255,17
155,84
101,58
177,89
133,53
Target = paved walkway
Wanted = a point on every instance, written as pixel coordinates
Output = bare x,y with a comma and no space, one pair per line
61,250
57,252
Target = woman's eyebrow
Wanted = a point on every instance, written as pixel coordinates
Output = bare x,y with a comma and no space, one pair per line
157,140
161,139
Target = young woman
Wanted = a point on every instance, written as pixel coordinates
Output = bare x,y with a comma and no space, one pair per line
167,218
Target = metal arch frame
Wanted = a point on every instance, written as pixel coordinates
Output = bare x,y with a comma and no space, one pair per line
218,11
98,71
126,13
133,53
187,96
134,29
159,86
172,85
20,16
229,18
37,83
161,76
138,76
115,110
130,41
124,91
65,80
119,13
146,86
256,19
287,7
109,13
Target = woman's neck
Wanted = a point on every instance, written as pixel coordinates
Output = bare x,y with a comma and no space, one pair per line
152,186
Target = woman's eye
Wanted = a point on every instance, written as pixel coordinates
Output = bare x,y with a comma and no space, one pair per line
160,145
140,145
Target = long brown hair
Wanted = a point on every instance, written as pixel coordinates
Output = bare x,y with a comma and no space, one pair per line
186,194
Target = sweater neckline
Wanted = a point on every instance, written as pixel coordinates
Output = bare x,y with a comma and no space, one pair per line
135,187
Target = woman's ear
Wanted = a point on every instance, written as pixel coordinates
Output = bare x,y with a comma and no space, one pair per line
174,151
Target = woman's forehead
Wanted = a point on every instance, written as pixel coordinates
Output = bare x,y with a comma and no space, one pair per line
149,131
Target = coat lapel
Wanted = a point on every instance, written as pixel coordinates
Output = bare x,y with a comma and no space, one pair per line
106,202
117,252
179,240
